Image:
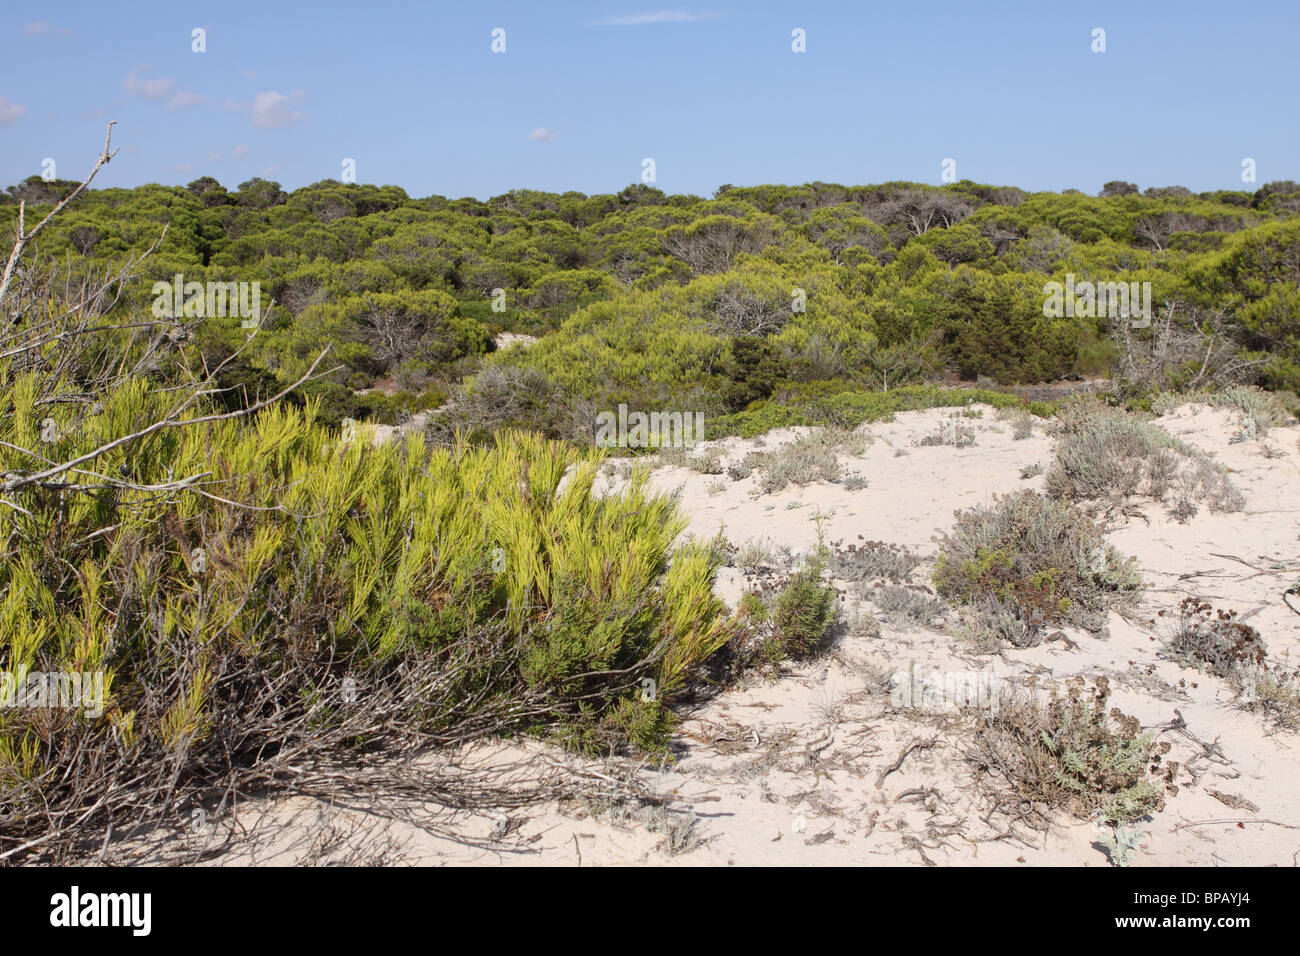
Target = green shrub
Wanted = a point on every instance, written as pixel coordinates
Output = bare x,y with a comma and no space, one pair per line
950,433
740,470
786,620
1022,426
334,402
1228,648
1072,753
1263,408
1217,641
753,556
756,368
863,565
854,482
507,396
802,613
862,626
906,604
1107,454
1273,693
706,463
465,590
1042,557
990,624
809,457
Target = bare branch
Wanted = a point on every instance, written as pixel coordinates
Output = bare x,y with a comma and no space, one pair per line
15,482
23,238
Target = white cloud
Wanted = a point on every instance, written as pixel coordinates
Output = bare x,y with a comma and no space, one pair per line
11,113
44,28
181,168
543,135
656,16
239,152
271,110
184,100
159,88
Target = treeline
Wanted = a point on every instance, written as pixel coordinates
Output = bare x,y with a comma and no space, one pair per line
720,305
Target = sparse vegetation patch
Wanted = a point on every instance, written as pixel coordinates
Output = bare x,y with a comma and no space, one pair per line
1217,641
1041,559
1107,455
1077,754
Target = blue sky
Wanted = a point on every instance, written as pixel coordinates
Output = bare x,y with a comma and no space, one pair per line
711,91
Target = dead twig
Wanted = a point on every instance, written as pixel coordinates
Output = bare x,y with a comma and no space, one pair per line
897,764
1206,823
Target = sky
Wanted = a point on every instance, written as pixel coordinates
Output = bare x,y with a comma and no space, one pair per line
713,92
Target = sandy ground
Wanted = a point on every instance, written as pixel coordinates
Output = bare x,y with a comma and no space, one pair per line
803,768
505,340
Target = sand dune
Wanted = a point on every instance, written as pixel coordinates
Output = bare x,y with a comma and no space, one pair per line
818,765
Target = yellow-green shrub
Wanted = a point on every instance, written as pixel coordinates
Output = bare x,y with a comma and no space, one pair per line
296,557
